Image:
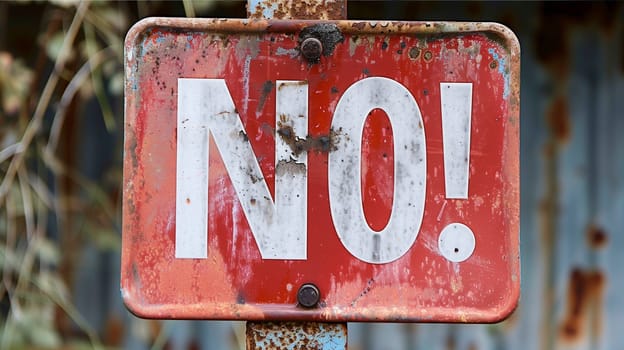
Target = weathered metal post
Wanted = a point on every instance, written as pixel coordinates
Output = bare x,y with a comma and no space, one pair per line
297,9
299,335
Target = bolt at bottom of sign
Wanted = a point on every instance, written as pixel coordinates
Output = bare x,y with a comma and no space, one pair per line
456,242
308,295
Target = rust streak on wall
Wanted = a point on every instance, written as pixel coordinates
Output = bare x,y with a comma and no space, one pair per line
597,238
585,290
559,120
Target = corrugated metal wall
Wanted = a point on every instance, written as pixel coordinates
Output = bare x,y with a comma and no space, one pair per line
572,209
572,175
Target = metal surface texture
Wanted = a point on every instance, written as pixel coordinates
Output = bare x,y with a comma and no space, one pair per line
297,9
296,335
426,277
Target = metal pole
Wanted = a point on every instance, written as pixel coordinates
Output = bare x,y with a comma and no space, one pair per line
297,9
296,335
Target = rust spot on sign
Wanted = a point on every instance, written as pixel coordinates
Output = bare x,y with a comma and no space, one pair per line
366,290
327,33
359,25
297,9
323,143
585,290
428,56
414,53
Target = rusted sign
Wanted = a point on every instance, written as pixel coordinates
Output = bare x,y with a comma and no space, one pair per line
321,170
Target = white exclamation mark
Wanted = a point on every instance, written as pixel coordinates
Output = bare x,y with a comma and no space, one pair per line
456,241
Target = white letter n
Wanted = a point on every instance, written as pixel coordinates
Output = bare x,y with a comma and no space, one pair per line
278,227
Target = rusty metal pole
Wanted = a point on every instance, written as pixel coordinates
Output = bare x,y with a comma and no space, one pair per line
297,9
297,335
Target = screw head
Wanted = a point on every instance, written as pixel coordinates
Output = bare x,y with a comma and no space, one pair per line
308,295
312,49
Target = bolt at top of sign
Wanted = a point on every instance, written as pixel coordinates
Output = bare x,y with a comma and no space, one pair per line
312,49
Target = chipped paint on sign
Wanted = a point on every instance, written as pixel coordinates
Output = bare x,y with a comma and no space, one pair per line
297,9
502,69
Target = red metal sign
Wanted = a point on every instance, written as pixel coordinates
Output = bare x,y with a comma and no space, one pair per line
341,171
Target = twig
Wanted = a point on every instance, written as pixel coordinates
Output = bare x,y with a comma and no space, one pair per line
22,175
9,244
44,101
96,79
91,188
189,9
15,310
161,338
106,29
74,315
9,151
68,95
43,193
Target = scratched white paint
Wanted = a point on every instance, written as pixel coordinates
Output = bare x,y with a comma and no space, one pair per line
345,188
456,242
291,183
456,101
206,105
291,111
191,174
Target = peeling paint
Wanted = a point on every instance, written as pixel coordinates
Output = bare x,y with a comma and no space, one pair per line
251,57
502,69
585,290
